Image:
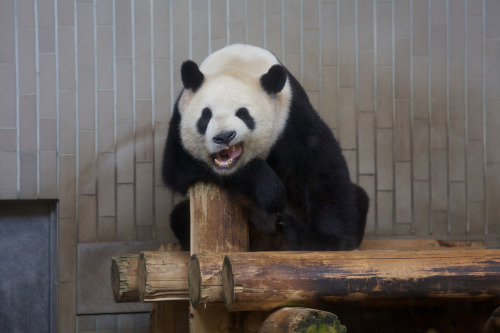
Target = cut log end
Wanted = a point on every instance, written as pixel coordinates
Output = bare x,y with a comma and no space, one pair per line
124,278
194,281
289,320
228,283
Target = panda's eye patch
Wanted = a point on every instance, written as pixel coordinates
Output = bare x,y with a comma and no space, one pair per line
202,123
244,115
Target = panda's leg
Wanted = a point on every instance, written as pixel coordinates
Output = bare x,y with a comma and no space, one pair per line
179,223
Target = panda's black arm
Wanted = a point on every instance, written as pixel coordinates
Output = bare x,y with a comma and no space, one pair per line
259,184
180,170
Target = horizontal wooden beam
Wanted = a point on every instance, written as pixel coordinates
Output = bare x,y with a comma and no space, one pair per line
266,280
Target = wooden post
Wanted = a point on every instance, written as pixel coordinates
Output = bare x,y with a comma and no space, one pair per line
291,320
162,276
217,225
266,280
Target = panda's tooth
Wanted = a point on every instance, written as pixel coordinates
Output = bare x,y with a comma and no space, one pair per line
230,161
217,162
234,148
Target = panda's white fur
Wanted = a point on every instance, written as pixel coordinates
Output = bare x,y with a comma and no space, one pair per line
232,81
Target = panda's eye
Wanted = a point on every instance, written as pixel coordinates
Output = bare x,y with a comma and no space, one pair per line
244,115
202,123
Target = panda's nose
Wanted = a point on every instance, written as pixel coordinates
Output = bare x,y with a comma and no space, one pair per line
224,137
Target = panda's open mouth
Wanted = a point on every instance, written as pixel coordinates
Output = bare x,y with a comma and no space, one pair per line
228,156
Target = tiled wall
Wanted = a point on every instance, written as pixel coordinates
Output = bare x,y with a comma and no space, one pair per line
411,89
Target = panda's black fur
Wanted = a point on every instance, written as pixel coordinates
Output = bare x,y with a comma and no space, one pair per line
300,197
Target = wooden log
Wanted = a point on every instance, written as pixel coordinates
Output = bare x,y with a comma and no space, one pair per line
124,274
205,279
217,225
162,276
292,320
169,317
266,280
124,278
417,244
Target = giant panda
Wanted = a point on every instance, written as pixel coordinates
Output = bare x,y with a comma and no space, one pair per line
243,122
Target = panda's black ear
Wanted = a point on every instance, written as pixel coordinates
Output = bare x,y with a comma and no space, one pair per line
192,77
274,80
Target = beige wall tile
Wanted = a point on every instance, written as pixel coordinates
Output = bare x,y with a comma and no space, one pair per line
86,99
402,19
25,17
458,208
28,175
125,152
125,222
310,14
474,48
67,122
438,13
420,87
145,233
352,163
384,97
456,155
475,8
85,17
143,67
311,65
27,123
420,27
385,224
475,171
236,24
200,32
456,88
163,207
67,187
105,121
46,26
86,163
144,194
402,69
180,54
403,192
26,62
329,98
106,229
68,233
66,295
347,54
104,12
385,177
492,11
7,26
384,34
8,95
402,131
420,146
66,59
106,185
347,11
421,208
439,180
365,24
492,75
48,175
476,218
161,29
104,55
492,126
162,103
123,31
144,149
218,20
456,14
8,175
160,135
438,87
439,223
367,182
273,28
48,134
366,142
124,89
328,32
475,116
347,118
255,17
366,84
87,215
65,13
8,140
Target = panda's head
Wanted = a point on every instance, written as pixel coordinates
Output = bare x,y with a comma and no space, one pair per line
233,107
